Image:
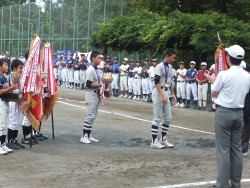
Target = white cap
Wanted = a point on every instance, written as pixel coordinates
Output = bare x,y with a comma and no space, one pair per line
236,51
101,55
7,52
125,59
193,62
204,63
243,64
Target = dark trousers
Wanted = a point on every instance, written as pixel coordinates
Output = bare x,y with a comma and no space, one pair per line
245,134
228,131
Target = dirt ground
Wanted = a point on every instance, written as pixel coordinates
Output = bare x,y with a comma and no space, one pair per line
122,158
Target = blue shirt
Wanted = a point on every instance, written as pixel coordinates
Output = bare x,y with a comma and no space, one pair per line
71,62
65,60
144,74
130,71
77,63
106,70
55,61
191,73
3,85
115,67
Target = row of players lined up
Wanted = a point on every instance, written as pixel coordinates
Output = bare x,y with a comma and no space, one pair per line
134,78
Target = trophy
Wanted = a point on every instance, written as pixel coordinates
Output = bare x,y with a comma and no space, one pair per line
107,89
15,95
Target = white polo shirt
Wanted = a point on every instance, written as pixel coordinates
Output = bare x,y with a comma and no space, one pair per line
232,86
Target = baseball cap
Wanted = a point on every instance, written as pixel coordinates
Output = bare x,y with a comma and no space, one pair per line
108,57
101,55
182,62
243,64
154,60
203,63
236,51
131,60
138,61
61,57
125,59
193,62
115,58
146,59
7,52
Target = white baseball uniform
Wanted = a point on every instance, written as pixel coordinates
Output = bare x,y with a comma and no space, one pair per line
151,72
181,84
130,79
172,81
124,78
137,81
145,81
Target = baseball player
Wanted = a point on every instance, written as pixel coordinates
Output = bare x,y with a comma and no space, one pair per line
124,78
181,85
137,80
173,85
65,78
92,97
108,66
161,105
191,84
55,60
211,72
145,80
101,67
202,86
115,74
151,75
15,113
131,78
59,69
71,63
83,68
77,73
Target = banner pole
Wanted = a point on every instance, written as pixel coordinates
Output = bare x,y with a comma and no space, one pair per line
52,119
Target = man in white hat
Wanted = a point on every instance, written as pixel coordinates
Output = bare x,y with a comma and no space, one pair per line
100,67
124,78
202,86
230,88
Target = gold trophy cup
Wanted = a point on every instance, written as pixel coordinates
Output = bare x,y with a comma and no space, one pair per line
15,95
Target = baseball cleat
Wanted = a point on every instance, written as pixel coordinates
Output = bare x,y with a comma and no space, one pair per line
138,98
85,140
167,144
134,98
93,139
2,151
157,145
212,110
182,105
177,104
5,148
121,95
198,108
129,97
126,96
18,144
244,154
12,146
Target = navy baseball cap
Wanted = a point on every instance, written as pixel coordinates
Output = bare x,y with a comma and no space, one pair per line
146,60
115,58
131,60
61,57
108,57
181,62
138,61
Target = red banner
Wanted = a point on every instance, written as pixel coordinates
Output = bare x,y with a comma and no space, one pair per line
220,60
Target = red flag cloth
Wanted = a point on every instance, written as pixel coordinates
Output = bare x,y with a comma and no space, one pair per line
51,96
31,85
220,60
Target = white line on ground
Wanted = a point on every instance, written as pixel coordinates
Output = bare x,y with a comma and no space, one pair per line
194,184
131,117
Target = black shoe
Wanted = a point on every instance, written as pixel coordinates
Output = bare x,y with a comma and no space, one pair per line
211,110
203,109
198,108
38,137
35,140
187,106
44,137
214,186
149,100
12,146
18,144
27,141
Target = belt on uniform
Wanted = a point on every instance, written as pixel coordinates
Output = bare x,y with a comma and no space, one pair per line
93,90
83,69
203,83
144,77
77,69
228,108
180,81
115,73
137,78
191,82
123,75
131,77
162,87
